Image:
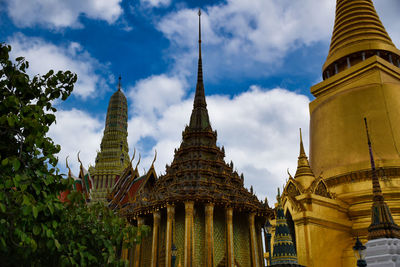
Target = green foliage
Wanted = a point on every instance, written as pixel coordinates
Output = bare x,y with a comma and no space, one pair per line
36,229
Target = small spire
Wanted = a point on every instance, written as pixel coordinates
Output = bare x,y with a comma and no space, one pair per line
303,166
119,83
382,223
302,152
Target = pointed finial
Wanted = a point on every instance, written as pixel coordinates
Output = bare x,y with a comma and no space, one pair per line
134,153
119,83
66,163
79,158
155,157
302,152
376,187
138,162
290,176
278,197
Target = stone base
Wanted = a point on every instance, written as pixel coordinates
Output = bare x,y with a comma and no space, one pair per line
383,252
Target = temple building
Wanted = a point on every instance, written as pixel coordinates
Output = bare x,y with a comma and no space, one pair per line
113,158
328,202
199,209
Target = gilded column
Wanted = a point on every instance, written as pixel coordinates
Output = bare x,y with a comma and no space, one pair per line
140,222
188,233
154,247
229,238
253,241
168,239
209,232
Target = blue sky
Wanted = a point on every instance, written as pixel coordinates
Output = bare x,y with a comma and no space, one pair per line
260,58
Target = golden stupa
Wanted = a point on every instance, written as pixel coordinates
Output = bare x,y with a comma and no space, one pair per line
328,202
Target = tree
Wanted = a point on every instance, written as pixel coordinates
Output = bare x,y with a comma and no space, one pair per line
36,229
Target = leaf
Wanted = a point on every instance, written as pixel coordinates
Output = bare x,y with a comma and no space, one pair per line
57,243
35,211
33,244
10,121
16,164
4,162
2,207
25,200
51,209
36,230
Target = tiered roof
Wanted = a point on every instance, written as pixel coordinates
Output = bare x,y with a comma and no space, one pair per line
198,171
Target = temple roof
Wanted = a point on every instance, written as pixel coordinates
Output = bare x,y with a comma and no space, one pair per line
357,28
198,171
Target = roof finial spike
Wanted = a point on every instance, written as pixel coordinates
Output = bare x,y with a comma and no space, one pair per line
376,187
302,152
119,83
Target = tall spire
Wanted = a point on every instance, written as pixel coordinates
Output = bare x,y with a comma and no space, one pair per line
284,251
113,156
382,224
357,29
199,118
303,166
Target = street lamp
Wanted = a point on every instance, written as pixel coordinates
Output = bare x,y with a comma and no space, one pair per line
359,253
174,252
267,239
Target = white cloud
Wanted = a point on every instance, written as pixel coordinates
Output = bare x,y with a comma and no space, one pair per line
44,56
150,98
155,3
76,131
247,37
388,12
258,128
59,13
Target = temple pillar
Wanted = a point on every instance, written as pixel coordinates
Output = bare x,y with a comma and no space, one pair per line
230,256
168,238
188,233
209,234
140,222
154,247
253,241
